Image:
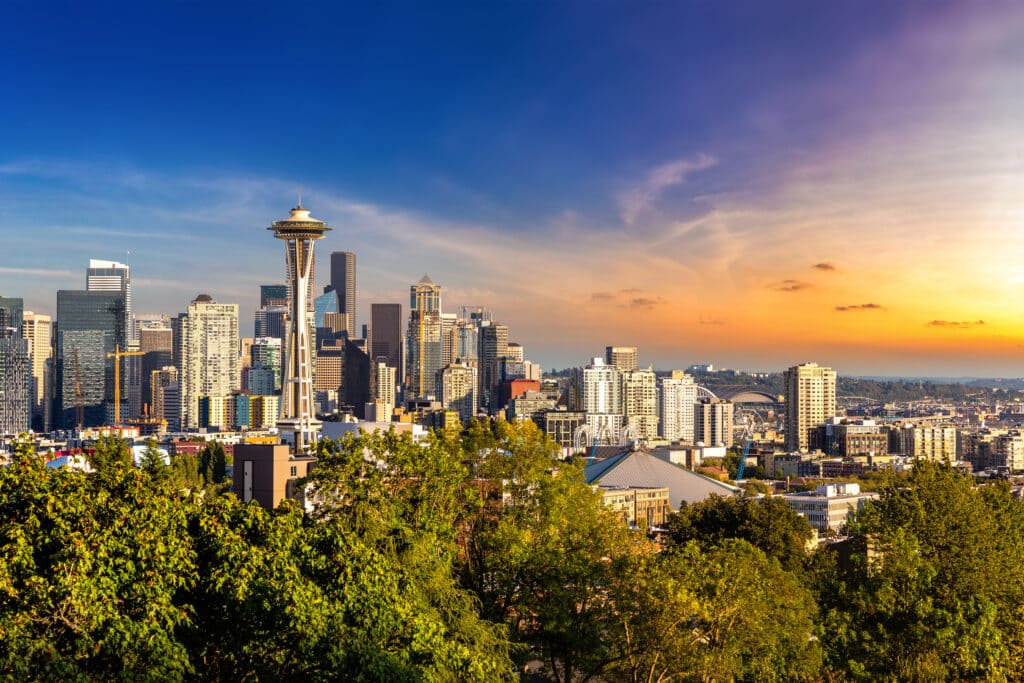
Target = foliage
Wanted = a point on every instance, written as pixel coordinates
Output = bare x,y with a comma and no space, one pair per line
92,569
933,603
767,523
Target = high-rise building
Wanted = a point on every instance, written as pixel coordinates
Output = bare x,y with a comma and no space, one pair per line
37,328
810,393
640,402
164,398
325,303
602,397
678,397
356,378
384,386
343,281
273,295
271,321
298,413
493,340
713,421
386,334
15,394
111,276
457,383
89,326
424,346
265,356
622,357
156,342
209,357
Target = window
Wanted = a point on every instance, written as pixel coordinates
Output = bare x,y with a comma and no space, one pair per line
294,471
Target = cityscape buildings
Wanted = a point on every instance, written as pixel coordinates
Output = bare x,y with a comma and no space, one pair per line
37,329
90,325
209,355
386,334
424,347
678,398
111,276
15,373
343,282
810,399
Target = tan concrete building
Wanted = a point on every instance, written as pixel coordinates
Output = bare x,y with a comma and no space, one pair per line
712,422
622,357
640,402
810,395
36,328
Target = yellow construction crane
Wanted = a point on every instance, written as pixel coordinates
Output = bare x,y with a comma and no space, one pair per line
117,355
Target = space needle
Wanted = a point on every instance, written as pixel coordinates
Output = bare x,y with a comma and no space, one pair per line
298,416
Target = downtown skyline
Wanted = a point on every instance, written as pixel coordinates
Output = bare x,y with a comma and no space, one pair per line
744,186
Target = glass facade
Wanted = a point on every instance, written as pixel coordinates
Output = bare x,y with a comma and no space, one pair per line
89,326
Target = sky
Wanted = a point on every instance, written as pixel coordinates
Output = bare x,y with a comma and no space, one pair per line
747,184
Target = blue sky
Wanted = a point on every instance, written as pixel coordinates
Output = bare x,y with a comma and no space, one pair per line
594,172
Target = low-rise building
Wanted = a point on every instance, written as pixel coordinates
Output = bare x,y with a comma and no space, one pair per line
640,507
830,505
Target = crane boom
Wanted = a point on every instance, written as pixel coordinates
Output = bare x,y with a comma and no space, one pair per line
117,355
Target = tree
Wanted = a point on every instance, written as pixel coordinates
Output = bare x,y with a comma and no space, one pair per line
932,602
213,463
767,523
152,461
92,567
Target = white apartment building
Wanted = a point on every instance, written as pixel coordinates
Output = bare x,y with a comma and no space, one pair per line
678,398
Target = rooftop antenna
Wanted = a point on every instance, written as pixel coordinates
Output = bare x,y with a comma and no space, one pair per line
300,196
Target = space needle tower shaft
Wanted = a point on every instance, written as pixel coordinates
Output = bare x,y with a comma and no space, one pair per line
298,416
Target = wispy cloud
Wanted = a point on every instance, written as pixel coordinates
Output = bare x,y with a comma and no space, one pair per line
860,307
645,302
705,320
641,198
790,286
41,272
956,324
824,265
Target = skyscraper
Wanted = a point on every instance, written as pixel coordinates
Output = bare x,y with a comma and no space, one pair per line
273,295
810,392
713,420
299,232
384,387
493,341
386,334
265,357
111,276
622,357
602,396
424,346
678,398
14,368
640,402
37,328
209,355
89,326
457,383
343,280
156,342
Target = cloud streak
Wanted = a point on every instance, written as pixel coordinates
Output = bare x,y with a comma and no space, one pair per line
825,265
956,324
642,197
860,307
790,286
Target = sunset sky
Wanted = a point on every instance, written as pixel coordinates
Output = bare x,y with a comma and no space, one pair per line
750,184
